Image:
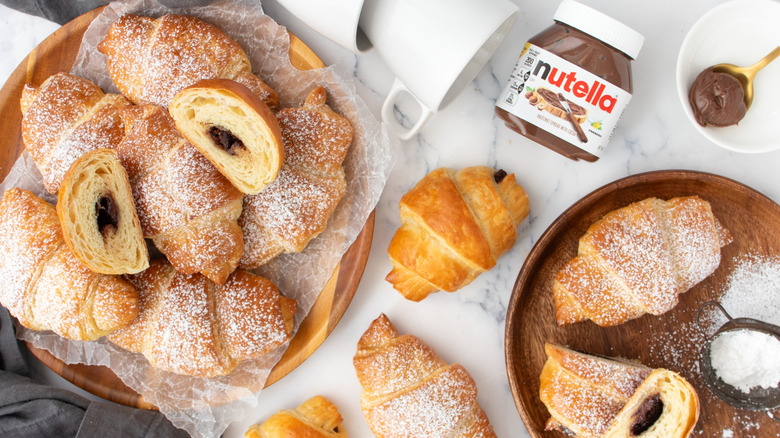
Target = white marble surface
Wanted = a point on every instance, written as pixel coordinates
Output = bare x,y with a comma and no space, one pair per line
468,326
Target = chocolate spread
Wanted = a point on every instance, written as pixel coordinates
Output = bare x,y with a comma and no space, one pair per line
608,67
717,99
107,215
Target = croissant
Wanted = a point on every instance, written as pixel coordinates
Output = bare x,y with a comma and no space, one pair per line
454,226
638,259
150,60
233,129
99,222
590,396
64,118
44,285
408,391
317,417
188,325
184,204
296,207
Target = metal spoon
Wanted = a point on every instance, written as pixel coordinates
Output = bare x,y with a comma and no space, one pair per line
745,75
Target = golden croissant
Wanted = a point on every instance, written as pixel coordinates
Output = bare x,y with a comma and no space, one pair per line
454,226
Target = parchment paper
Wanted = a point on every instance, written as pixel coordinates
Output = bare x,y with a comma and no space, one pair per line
205,407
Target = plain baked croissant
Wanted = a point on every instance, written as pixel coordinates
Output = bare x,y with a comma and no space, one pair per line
65,117
150,59
590,396
296,207
409,391
188,325
317,417
45,286
638,259
185,205
454,226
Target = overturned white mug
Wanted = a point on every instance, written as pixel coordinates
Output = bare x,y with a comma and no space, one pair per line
434,47
336,20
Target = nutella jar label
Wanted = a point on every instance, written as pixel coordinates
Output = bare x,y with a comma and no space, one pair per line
563,99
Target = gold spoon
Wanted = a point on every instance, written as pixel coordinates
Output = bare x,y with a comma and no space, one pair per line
745,75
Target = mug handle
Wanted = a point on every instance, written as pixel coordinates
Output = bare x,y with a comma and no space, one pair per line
388,116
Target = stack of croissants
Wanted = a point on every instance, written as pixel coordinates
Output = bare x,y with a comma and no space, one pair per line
195,160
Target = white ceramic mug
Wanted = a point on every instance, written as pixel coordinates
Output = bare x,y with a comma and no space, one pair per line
434,47
336,20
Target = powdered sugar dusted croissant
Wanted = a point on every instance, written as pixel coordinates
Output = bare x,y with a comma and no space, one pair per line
317,417
409,391
45,286
64,118
184,204
296,207
590,396
188,325
150,60
454,226
638,259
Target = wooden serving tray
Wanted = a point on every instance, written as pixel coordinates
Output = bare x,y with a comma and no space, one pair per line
57,53
670,340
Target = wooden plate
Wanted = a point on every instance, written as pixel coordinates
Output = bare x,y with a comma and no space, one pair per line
670,340
57,53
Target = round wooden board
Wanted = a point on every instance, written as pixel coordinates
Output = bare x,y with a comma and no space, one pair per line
670,340
57,53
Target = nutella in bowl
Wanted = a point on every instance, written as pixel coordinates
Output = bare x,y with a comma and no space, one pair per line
572,82
717,99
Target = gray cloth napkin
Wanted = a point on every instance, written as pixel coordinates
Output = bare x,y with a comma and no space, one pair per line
30,409
62,11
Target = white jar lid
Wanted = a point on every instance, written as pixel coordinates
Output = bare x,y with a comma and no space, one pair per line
600,26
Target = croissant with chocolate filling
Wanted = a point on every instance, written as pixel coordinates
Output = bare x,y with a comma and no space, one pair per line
317,417
454,226
296,207
233,129
150,60
591,396
65,117
189,325
184,204
45,286
99,222
638,259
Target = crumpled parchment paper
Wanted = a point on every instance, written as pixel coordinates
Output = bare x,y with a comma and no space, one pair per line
205,407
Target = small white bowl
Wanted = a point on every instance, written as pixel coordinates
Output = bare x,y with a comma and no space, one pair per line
739,32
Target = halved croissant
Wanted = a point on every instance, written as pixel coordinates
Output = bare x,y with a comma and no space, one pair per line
590,397
233,129
188,325
150,59
638,259
184,204
317,417
63,119
99,222
454,226
296,207
45,286
408,391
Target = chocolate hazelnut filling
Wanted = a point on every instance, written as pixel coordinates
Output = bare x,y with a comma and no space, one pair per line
225,139
499,175
649,412
107,215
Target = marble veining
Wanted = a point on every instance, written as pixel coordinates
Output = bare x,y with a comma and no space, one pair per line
468,326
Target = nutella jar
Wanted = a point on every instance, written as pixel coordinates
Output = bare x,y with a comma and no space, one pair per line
572,82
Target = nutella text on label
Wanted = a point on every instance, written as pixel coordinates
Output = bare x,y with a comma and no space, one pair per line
563,99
